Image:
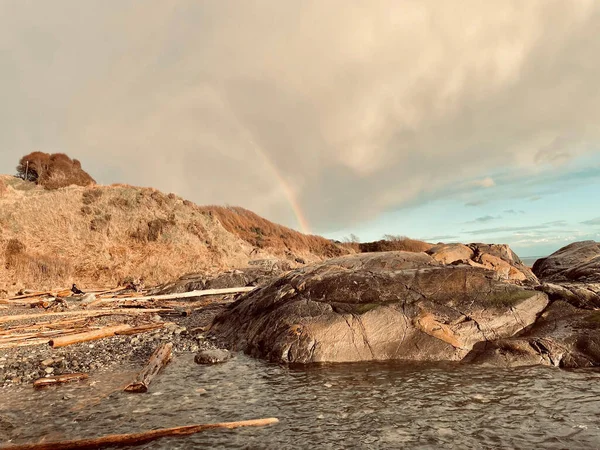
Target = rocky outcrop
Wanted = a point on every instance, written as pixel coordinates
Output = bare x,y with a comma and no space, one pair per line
497,257
380,306
564,336
577,262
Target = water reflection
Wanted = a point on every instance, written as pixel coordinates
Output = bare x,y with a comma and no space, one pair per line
331,406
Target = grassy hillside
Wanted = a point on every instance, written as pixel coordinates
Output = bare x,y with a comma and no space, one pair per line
102,235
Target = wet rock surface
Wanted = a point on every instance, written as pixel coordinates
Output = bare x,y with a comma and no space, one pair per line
212,356
377,306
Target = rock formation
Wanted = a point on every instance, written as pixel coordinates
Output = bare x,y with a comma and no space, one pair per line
379,306
499,258
475,303
577,262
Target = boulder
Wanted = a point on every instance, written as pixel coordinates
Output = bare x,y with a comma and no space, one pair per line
579,261
563,336
214,356
377,306
450,253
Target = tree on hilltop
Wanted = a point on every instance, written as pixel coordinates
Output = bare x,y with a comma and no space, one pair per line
52,171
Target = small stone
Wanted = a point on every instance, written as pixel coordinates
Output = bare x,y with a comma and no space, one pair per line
201,391
49,370
47,362
212,356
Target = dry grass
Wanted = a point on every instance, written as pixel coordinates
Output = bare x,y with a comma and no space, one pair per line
395,243
3,188
261,233
100,235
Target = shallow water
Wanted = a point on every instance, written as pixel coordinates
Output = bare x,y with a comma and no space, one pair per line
372,405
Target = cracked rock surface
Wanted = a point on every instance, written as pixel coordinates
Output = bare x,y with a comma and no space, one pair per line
380,306
564,336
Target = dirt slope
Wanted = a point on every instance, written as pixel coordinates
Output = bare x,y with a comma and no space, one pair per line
102,235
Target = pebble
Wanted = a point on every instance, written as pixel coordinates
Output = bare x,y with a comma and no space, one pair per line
49,370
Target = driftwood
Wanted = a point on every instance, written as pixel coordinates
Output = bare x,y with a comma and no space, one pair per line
180,295
94,335
54,325
158,360
122,440
31,294
58,379
26,343
83,313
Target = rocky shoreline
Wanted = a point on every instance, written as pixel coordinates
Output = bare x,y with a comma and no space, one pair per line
25,364
473,303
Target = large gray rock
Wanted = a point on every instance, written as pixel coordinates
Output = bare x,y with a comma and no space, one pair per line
377,306
579,261
563,336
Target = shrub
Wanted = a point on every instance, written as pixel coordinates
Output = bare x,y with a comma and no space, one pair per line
395,243
14,248
52,171
91,195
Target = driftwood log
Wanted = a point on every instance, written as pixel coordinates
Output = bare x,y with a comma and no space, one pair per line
158,360
123,440
83,313
58,379
201,293
71,339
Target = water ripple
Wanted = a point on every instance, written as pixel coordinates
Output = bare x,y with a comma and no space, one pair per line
376,405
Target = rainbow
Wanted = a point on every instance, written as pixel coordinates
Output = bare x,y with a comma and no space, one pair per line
286,188
288,192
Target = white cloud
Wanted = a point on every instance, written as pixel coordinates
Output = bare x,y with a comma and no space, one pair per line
357,107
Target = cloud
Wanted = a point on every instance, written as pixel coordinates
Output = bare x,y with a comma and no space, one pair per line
595,221
476,203
346,110
484,219
439,238
543,226
513,211
485,182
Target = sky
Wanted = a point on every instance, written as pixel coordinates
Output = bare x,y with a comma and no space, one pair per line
454,121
